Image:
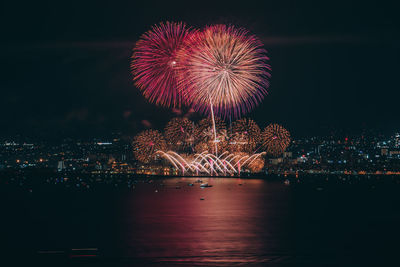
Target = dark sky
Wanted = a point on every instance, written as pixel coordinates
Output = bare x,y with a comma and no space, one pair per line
65,67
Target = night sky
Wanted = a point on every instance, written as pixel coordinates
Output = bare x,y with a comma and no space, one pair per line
65,67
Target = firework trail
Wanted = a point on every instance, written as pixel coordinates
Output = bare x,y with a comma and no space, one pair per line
206,137
223,68
211,164
206,131
154,62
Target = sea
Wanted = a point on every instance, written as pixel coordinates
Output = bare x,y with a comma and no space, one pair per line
177,222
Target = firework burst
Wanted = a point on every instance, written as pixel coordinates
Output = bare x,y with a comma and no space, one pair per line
275,139
223,68
205,130
146,143
245,135
257,165
180,132
205,135
154,62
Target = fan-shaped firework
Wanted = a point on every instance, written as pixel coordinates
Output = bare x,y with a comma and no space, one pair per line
208,163
245,135
180,132
154,62
146,144
225,68
275,139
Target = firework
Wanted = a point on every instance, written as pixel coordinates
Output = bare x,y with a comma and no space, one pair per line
245,135
154,62
256,165
146,144
205,135
211,164
220,145
275,139
205,130
224,68
180,132
202,146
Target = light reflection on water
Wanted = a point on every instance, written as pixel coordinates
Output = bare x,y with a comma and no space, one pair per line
234,223
165,222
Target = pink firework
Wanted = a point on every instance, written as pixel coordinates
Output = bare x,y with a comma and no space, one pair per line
154,62
223,68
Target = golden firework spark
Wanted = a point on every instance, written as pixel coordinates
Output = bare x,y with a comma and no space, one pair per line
146,143
275,139
245,135
180,132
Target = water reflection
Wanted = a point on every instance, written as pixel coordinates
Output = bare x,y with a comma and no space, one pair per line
234,222
166,222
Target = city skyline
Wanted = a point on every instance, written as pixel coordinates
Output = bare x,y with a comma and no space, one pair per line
356,155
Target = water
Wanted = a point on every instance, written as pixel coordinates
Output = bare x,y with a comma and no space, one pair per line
240,222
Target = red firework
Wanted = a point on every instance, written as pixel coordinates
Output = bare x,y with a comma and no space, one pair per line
154,62
223,68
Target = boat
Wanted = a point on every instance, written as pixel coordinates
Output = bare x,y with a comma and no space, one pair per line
205,185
